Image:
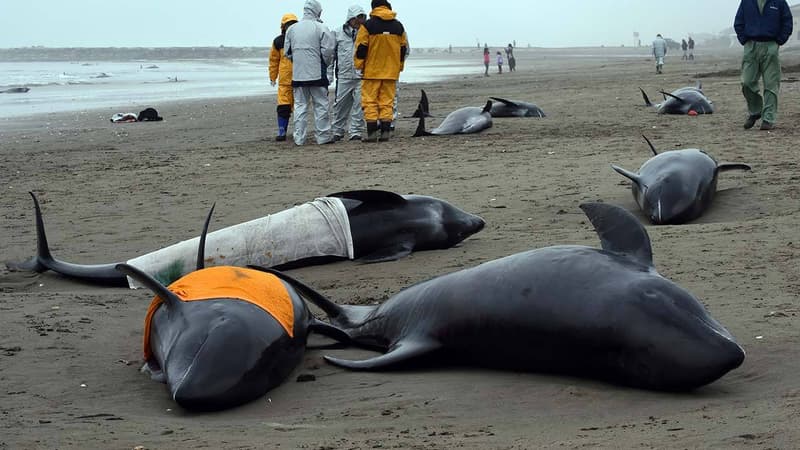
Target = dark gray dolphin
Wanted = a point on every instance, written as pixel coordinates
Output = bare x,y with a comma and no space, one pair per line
470,119
682,100
600,313
224,351
514,108
676,186
16,90
384,226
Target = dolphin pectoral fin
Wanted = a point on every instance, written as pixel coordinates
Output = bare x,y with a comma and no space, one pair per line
724,167
398,354
372,196
155,372
505,102
619,231
168,297
307,292
390,253
627,174
673,96
487,107
652,148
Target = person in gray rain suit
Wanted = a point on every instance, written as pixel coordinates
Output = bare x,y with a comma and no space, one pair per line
659,52
347,105
310,46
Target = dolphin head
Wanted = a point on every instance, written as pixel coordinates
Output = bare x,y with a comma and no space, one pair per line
677,344
222,353
668,199
457,224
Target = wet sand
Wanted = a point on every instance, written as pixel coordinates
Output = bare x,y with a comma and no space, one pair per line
70,353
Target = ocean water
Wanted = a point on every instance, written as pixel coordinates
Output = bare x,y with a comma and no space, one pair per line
130,86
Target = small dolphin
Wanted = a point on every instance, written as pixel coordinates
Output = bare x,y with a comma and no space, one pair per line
223,336
515,108
598,313
676,186
466,120
682,101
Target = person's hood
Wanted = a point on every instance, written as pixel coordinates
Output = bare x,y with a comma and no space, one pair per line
312,10
383,12
288,18
354,11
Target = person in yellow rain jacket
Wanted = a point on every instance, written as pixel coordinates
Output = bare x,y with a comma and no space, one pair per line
280,71
381,46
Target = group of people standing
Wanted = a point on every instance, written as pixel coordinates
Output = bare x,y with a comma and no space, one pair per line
688,49
512,62
364,56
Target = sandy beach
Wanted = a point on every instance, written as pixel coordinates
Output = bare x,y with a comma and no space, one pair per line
70,353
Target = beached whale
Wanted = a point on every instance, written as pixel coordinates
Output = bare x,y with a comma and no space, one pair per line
682,101
368,225
222,336
597,313
676,186
466,120
514,108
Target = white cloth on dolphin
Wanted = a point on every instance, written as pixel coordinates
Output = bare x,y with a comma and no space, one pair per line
317,228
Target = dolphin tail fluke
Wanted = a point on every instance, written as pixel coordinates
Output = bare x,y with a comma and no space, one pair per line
488,107
404,352
724,167
627,174
651,145
167,296
647,101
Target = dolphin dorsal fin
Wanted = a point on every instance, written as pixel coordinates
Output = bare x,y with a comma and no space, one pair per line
504,101
168,297
488,107
673,96
627,174
619,231
201,250
424,106
371,195
647,101
651,145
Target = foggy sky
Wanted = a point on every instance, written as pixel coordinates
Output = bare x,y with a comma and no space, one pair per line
429,23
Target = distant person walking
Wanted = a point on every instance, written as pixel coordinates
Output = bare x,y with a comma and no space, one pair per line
684,46
310,45
486,59
280,71
347,105
499,62
691,48
659,52
762,26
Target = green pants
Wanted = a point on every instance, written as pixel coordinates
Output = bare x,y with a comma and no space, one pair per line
761,60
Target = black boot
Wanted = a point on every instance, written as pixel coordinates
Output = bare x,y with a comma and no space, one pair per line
386,131
372,132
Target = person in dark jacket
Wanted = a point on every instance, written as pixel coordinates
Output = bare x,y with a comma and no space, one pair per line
762,26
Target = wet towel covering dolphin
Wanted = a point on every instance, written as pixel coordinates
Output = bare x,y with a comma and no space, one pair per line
317,228
252,286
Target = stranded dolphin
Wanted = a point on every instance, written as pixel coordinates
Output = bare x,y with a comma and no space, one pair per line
470,119
223,336
682,101
369,225
576,310
676,186
514,108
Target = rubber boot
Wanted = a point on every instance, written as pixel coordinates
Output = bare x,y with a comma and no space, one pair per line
386,131
372,132
283,125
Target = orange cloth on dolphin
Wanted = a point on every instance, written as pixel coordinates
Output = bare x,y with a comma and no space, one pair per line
259,288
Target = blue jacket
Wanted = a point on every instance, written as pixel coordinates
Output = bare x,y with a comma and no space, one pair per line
775,24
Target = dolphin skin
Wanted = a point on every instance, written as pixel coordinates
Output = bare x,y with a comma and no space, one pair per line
676,186
383,226
598,313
